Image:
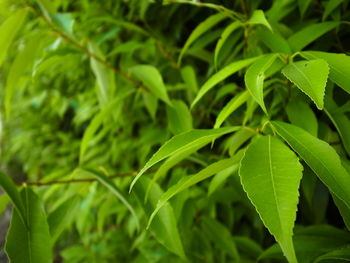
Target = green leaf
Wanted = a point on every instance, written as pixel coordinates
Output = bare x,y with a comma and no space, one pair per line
10,188
270,174
183,142
340,255
339,66
224,36
258,18
188,181
330,6
179,117
32,244
309,34
23,62
231,106
8,31
221,75
152,79
62,216
203,27
104,76
340,121
110,185
308,122
303,5
221,236
164,224
320,157
255,76
275,42
189,76
310,77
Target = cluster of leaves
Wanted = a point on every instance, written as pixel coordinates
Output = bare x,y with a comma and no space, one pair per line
175,131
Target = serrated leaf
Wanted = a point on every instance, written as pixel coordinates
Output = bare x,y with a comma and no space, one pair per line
231,106
30,244
200,30
339,66
152,79
188,181
183,142
270,174
320,157
258,18
224,36
309,34
221,75
255,76
9,29
310,77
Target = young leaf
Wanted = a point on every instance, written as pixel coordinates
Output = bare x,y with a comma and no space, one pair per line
221,75
255,76
320,157
224,36
230,107
8,31
110,185
188,181
10,188
309,34
270,174
310,77
339,66
258,17
183,142
152,79
200,30
32,244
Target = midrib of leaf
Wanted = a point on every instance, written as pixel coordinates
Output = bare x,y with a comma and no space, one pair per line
326,168
273,186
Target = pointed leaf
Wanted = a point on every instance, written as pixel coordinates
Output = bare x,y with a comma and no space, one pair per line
320,157
183,142
258,17
255,76
32,244
310,77
221,75
270,174
152,79
179,117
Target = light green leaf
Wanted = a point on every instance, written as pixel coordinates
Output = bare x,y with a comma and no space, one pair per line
330,6
340,255
4,201
221,75
320,157
308,122
110,185
221,236
62,216
220,178
24,61
32,244
189,76
164,224
104,76
270,174
224,36
10,188
255,76
310,77
339,66
8,31
258,18
231,106
200,30
183,142
275,42
188,181
152,79
179,117
309,34
151,103
340,121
